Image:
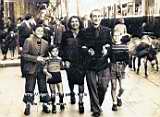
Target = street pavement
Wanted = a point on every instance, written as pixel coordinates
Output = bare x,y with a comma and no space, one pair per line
140,99
9,62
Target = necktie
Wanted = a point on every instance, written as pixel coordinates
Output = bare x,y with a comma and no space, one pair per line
97,32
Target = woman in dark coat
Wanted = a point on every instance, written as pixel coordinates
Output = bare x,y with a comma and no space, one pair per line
3,41
71,56
11,43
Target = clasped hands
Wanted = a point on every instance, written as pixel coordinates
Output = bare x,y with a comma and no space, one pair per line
104,50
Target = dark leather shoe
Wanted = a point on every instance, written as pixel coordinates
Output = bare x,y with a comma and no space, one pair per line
114,107
62,107
27,110
96,114
81,108
119,102
54,109
4,57
73,99
45,109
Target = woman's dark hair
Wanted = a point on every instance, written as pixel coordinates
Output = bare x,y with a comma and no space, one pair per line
80,22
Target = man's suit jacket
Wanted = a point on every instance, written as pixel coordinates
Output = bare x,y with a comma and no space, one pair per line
24,33
96,39
58,33
31,51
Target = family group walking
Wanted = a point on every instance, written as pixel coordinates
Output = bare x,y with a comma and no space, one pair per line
82,53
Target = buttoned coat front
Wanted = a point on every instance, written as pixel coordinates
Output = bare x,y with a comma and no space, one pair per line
31,50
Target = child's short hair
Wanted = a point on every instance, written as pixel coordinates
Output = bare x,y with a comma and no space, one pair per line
51,47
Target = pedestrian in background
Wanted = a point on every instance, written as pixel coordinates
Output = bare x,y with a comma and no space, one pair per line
3,41
11,43
86,22
59,28
24,31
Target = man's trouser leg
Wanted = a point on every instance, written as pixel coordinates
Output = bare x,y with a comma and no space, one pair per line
93,91
104,77
42,87
29,88
71,86
22,66
81,91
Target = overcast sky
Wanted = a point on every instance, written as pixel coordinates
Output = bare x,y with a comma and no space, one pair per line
85,6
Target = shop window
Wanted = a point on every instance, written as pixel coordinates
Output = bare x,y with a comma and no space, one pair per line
119,9
138,7
9,10
124,9
130,9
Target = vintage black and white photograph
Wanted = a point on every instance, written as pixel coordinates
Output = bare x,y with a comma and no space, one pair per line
79,58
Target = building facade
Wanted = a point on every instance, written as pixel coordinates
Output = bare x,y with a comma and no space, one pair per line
18,8
62,8
133,8
110,8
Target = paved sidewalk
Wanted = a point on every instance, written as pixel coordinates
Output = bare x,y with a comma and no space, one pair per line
141,97
8,62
